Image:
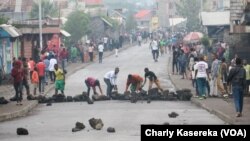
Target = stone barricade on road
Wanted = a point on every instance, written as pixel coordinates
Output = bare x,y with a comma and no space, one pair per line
184,94
151,95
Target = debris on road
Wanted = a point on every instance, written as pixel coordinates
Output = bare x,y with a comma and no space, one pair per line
49,104
69,99
100,97
173,115
111,130
79,98
3,100
96,123
22,131
166,123
59,98
78,127
184,94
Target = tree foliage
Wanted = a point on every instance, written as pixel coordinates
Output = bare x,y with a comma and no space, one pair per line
77,25
205,41
48,9
131,23
190,9
3,19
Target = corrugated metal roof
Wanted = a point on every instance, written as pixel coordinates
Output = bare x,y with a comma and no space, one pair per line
215,18
142,14
175,21
45,30
107,22
11,30
65,33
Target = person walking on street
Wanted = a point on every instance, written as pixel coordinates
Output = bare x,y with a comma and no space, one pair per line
92,82
175,61
31,64
60,80
155,49
100,50
152,79
25,81
35,80
63,57
110,80
41,73
136,83
52,63
237,78
247,68
17,74
201,74
91,52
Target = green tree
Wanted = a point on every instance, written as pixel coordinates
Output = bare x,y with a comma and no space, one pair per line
190,9
48,9
77,25
3,19
131,23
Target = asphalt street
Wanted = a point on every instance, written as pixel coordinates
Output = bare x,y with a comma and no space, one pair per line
55,122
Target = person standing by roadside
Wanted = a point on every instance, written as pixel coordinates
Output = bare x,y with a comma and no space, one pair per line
100,50
247,68
41,73
183,64
31,64
63,57
17,74
110,80
91,52
73,53
60,79
52,63
35,80
224,74
214,76
175,60
25,81
201,74
237,77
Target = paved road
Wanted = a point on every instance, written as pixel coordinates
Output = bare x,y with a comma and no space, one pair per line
133,60
56,122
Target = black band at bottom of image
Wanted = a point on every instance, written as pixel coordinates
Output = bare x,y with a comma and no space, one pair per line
194,132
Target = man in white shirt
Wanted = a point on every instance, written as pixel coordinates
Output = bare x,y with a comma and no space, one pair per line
105,41
52,63
155,49
201,74
110,80
100,50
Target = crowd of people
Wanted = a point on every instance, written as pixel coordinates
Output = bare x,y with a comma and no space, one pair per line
211,72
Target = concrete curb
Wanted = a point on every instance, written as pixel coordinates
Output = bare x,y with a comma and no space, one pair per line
20,113
218,113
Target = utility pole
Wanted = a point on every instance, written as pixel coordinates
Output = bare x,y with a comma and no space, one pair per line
40,26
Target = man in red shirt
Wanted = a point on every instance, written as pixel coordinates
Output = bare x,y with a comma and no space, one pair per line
63,57
92,82
41,73
17,74
135,81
